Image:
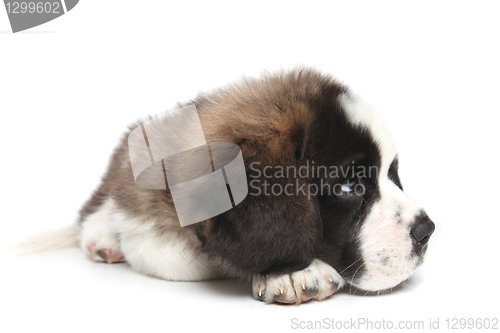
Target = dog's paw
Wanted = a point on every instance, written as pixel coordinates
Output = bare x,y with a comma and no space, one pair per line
100,241
318,281
108,255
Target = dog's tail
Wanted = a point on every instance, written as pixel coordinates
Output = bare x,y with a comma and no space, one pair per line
52,240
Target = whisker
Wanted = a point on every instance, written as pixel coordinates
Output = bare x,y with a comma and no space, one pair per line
352,280
350,266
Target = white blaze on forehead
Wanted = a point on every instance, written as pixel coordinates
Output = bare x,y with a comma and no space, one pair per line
361,114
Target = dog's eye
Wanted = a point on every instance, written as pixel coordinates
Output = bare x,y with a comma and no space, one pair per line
349,185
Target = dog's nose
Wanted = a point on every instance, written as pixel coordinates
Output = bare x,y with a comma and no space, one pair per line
422,228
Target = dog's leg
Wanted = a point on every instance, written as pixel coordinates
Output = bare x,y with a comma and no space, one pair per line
161,248
169,255
99,238
111,235
318,281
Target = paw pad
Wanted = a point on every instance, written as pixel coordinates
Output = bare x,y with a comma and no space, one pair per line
106,255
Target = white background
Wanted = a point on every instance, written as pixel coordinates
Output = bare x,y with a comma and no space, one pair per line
69,89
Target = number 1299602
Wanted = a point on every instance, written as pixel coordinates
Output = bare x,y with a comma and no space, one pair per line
33,7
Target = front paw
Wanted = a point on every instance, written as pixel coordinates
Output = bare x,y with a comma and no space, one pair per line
318,281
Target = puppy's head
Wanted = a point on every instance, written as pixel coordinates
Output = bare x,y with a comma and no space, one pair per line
323,183
375,235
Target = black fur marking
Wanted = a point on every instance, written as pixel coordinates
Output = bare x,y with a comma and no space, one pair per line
266,235
343,217
393,173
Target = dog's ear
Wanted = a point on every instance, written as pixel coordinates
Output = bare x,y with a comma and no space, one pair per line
269,232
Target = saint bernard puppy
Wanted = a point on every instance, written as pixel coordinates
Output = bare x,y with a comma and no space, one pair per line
325,206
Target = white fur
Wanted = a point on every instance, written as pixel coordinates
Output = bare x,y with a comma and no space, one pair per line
168,255
385,239
386,244
289,288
